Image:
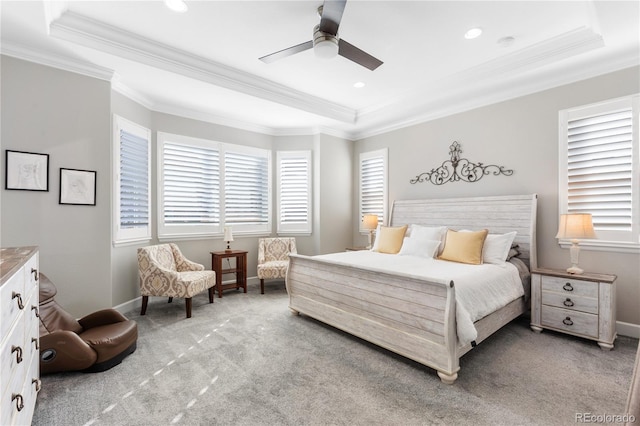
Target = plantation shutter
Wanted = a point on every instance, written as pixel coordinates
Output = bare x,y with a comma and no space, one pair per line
134,181
373,184
246,187
600,160
294,191
191,192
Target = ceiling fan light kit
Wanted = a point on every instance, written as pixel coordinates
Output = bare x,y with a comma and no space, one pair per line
325,45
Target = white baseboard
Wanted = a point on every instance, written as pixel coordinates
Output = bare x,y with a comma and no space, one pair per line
136,303
628,329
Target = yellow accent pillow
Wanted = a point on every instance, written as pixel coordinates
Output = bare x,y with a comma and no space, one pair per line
464,247
391,238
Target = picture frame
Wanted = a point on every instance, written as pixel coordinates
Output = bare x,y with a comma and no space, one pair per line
26,171
78,187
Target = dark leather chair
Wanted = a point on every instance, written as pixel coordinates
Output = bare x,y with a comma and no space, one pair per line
91,344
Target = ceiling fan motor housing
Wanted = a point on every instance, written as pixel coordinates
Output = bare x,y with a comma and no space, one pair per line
324,45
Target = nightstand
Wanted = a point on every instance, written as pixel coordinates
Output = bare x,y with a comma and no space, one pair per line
240,269
582,305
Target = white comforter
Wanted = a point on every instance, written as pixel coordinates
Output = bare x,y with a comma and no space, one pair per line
480,289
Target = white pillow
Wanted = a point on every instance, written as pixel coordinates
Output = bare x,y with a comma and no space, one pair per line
496,247
437,233
417,246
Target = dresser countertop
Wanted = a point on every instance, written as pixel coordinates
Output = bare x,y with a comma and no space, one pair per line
12,258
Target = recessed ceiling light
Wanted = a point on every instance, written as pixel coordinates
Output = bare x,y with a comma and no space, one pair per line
358,85
176,5
473,33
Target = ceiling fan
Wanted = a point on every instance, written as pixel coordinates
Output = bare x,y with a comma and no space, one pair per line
326,43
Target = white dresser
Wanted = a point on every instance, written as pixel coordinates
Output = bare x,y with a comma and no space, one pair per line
19,352
583,305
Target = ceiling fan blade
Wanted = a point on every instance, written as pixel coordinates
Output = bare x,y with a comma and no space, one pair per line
287,52
358,56
331,15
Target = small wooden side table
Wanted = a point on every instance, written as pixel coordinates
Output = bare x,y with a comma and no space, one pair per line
240,269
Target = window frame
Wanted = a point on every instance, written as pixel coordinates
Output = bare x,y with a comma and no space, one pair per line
188,231
298,228
384,155
616,241
122,236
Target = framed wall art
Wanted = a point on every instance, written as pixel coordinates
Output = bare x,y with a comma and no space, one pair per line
77,187
26,171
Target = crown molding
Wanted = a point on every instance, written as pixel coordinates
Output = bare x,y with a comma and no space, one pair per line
32,54
491,95
94,34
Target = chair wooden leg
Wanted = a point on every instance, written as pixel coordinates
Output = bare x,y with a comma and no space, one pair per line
211,294
170,300
145,301
261,286
187,302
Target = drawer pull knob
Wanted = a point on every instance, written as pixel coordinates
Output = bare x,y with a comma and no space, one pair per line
36,313
19,401
38,384
18,351
35,273
34,340
568,302
567,287
567,321
15,295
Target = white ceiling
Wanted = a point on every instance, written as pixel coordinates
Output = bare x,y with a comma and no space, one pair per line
204,63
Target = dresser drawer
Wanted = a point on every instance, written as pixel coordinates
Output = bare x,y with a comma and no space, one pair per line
12,300
31,276
570,286
570,302
571,321
13,355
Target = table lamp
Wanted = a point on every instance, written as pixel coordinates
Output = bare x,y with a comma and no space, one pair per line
575,227
370,222
228,237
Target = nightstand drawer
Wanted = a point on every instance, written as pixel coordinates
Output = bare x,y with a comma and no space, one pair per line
570,286
570,302
570,321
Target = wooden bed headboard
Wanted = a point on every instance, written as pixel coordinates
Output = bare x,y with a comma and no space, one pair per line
499,214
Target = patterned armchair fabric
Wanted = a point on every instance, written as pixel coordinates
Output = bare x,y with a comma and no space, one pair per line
273,258
164,271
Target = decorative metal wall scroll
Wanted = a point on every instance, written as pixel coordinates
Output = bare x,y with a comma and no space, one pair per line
457,169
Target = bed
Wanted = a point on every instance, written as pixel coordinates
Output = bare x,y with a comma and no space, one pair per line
404,311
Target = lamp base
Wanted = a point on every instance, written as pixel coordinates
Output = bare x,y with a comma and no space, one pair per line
575,270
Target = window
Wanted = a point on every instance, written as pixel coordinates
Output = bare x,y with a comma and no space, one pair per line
294,192
246,186
205,185
190,189
599,168
132,191
373,185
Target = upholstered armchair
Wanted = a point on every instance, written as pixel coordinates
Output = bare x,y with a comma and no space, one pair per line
165,272
91,344
273,258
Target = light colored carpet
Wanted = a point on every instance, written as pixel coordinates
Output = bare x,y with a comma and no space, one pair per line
245,360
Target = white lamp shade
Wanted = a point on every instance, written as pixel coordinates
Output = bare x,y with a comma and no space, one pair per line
576,226
228,234
370,221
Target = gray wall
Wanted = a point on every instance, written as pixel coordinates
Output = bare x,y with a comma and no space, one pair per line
520,134
67,116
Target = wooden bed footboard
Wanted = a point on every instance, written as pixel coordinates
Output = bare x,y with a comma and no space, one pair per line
405,314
